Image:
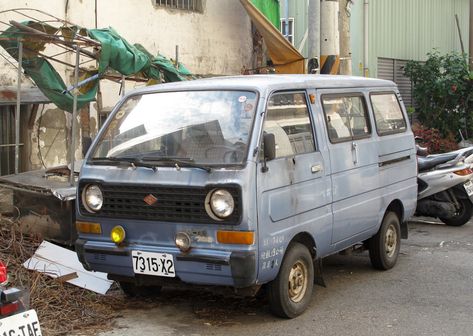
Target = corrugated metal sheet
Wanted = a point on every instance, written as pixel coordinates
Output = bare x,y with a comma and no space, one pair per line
409,29
393,69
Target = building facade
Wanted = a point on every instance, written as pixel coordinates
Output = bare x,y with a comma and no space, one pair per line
213,38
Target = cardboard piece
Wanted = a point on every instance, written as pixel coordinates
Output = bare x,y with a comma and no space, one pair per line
56,261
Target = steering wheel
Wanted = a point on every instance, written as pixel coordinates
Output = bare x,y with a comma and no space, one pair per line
230,153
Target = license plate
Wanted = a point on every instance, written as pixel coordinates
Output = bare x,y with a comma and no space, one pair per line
469,187
158,264
25,323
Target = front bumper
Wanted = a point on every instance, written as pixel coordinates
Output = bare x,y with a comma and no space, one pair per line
199,266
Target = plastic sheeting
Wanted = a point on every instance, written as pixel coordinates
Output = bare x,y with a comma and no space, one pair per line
286,59
270,9
115,53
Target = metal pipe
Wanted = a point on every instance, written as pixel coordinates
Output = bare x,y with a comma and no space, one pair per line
122,86
471,35
286,8
460,34
81,83
177,57
74,118
18,107
365,38
10,145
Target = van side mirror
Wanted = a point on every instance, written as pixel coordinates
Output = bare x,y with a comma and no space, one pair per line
269,149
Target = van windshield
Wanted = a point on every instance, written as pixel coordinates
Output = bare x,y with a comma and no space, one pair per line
203,127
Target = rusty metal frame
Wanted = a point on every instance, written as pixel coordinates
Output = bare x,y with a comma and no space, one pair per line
81,46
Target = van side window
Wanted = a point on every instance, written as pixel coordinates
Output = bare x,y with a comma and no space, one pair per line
288,119
346,117
387,113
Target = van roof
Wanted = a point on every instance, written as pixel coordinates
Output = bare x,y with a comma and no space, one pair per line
263,82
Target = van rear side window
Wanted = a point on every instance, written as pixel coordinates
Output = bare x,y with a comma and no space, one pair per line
346,117
387,113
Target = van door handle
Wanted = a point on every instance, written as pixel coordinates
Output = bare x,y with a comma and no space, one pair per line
354,151
316,168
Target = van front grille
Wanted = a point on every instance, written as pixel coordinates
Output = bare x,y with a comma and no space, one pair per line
157,203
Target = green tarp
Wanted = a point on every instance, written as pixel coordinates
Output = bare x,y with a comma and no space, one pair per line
115,53
270,9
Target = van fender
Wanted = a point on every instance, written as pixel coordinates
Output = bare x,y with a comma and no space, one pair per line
306,239
397,207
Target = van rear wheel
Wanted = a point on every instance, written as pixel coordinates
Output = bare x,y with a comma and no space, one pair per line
385,245
291,291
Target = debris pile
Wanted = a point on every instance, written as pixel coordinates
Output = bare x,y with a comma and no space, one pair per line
62,308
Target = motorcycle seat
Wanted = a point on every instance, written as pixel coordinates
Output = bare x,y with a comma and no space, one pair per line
429,162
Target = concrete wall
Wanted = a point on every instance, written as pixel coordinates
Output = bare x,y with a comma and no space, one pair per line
216,41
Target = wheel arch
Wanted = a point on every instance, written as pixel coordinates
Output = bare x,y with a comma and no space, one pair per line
307,240
397,207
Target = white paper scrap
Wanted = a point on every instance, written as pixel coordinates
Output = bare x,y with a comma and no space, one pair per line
57,261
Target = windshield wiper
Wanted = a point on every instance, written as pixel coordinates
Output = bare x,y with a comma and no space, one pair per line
132,162
150,162
177,161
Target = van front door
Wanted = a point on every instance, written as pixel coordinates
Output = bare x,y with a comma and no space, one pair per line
294,188
354,165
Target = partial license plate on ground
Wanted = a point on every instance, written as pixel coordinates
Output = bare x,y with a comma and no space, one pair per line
25,323
158,264
469,187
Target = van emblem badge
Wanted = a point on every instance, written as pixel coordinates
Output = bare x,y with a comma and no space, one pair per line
150,199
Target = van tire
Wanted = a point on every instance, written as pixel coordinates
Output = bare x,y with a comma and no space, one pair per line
385,245
131,290
290,293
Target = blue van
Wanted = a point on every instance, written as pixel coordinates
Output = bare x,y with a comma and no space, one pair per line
247,181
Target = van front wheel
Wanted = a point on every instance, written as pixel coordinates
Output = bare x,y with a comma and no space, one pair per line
290,293
384,246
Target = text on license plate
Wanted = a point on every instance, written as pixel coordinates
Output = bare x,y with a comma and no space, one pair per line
159,264
25,323
469,187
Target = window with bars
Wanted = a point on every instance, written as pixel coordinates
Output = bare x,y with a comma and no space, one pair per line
288,33
188,5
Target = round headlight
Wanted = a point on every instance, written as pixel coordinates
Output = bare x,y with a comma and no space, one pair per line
221,203
92,198
183,241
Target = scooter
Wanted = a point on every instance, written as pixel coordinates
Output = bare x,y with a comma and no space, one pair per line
15,318
445,186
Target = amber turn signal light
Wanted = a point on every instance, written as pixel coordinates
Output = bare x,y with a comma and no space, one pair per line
86,227
236,237
464,172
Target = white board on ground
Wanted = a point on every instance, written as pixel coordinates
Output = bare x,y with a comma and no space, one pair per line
57,261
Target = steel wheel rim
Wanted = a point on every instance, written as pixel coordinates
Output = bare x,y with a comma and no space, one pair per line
390,241
297,285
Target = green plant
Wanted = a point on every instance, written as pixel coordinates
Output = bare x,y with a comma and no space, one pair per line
443,92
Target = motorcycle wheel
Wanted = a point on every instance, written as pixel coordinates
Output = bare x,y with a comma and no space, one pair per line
462,216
